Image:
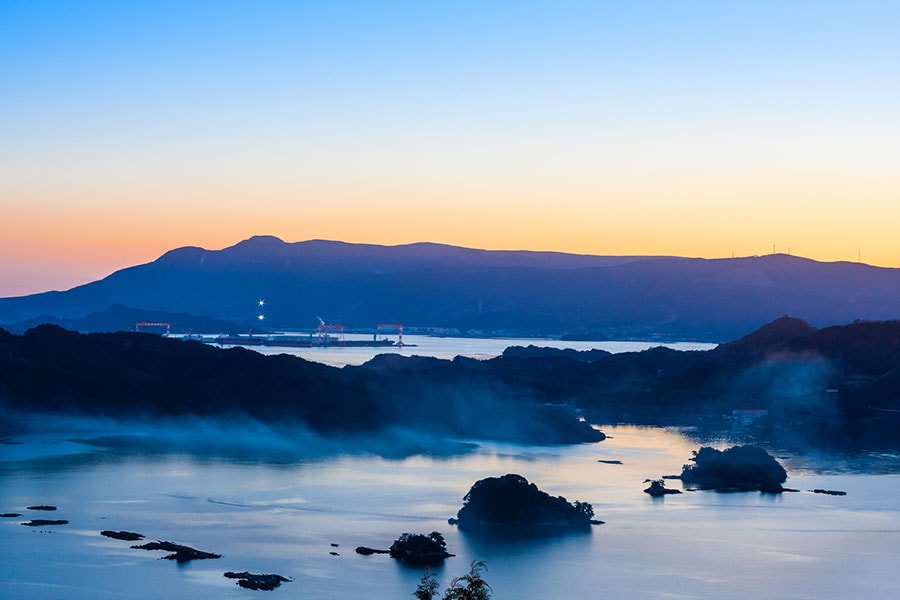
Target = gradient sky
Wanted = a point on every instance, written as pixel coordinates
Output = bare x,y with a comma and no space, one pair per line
696,128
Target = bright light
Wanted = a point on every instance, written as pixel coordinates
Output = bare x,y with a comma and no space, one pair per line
262,302
261,317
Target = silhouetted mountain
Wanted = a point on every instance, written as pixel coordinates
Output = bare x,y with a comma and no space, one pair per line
432,285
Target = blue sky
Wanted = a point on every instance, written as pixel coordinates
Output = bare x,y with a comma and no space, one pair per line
690,128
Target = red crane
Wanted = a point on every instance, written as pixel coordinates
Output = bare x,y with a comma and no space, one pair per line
325,329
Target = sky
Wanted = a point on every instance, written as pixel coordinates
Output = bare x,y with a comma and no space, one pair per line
691,128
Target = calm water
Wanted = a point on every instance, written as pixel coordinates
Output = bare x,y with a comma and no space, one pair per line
275,502
281,515
448,348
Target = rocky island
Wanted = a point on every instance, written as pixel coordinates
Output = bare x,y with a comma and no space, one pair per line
179,553
658,488
257,581
739,468
420,549
510,505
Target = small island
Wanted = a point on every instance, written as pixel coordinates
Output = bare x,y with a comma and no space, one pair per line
658,488
420,549
256,581
510,505
413,549
179,553
739,468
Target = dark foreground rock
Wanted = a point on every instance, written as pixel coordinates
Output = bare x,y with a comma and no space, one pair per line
179,553
737,469
509,505
128,536
45,522
658,488
420,549
253,581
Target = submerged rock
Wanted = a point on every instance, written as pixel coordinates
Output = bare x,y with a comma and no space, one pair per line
509,505
179,553
253,581
45,522
128,536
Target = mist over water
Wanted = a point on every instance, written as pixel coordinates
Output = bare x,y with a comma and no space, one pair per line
274,500
274,497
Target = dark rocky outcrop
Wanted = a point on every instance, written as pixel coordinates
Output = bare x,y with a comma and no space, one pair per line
739,468
366,551
829,492
127,536
10,515
510,505
45,522
41,507
254,581
179,553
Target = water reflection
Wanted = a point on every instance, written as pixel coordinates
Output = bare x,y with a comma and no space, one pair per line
265,514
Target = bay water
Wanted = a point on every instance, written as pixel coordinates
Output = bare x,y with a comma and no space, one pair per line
273,500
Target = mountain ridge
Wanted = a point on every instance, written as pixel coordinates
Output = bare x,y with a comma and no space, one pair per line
467,290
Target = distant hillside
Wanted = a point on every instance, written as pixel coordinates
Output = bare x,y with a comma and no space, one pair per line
123,318
127,375
432,285
832,383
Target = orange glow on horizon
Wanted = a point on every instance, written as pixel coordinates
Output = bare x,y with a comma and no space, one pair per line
92,232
